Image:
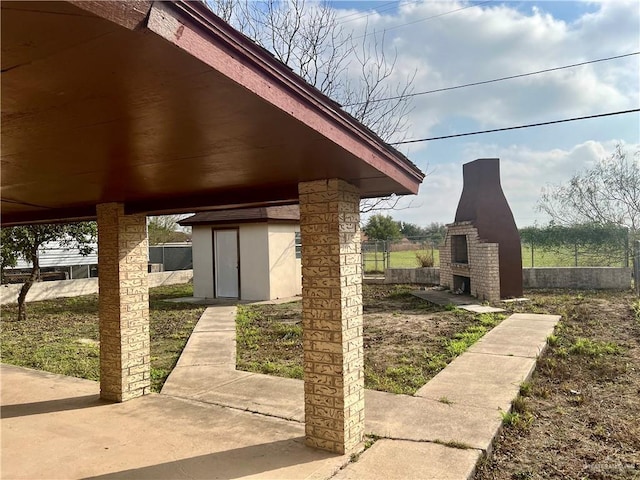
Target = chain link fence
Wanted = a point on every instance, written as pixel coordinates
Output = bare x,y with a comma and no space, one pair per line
413,252
378,255
575,256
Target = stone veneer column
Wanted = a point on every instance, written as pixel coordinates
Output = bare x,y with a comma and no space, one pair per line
332,315
124,303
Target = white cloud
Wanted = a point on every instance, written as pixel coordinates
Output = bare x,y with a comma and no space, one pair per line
524,172
492,41
497,40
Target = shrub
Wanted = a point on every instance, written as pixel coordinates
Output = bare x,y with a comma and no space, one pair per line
425,259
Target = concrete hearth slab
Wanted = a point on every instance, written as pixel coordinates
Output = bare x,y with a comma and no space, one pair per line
445,297
481,309
515,300
398,459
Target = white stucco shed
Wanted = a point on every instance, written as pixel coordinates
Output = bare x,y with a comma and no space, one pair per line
248,253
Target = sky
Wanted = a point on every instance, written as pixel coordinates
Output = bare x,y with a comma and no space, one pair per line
493,39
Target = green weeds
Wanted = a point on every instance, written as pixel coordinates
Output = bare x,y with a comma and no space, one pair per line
61,335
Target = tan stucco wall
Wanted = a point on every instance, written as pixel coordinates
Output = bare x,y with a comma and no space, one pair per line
285,270
202,262
254,262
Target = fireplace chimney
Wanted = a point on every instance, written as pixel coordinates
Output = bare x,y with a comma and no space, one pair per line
484,205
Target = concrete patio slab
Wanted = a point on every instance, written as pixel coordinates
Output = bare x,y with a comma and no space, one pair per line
264,394
196,382
480,380
56,427
401,460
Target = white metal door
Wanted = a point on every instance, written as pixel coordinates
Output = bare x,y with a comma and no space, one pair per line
225,245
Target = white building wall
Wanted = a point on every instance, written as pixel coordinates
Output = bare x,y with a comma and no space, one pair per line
254,262
268,265
285,271
202,261
52,254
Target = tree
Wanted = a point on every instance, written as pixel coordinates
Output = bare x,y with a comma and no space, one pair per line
165,229
357,72
410,230
382,227
607,194
24,242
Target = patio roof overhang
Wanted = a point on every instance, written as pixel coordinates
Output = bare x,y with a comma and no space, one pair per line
165,108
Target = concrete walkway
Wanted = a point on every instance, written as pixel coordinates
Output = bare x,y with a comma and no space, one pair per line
461,405
56,427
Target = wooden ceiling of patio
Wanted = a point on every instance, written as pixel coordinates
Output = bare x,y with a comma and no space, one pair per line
94,111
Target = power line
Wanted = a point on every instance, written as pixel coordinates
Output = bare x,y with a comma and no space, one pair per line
517,127
387,5
511,77
424,19
376,10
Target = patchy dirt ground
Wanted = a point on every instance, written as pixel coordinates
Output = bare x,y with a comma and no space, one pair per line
406,340
584,399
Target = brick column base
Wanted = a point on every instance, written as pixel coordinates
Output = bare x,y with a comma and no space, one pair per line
123,304
332,315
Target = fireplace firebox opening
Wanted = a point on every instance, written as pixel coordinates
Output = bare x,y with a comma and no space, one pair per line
462,284
460,252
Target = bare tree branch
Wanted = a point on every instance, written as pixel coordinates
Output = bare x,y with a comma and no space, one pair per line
308,38
607,194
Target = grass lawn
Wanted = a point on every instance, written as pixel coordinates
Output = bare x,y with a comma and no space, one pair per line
61,336
404,259
406,340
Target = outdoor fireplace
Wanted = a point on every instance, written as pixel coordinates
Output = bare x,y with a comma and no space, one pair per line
481,255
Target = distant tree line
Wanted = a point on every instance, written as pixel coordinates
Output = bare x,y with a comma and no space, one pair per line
602,243
384,227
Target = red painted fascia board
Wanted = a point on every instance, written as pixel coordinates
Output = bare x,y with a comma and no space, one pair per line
192,27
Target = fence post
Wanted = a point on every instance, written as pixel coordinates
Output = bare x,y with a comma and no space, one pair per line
627,250
532,264
387,248
575,253
376,256
636,267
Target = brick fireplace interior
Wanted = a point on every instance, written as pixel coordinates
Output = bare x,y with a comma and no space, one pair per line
481,255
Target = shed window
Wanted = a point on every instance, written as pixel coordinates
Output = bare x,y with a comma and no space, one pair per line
298,245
